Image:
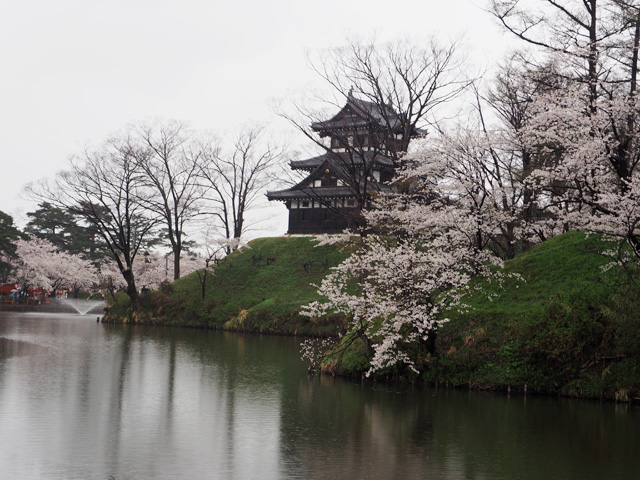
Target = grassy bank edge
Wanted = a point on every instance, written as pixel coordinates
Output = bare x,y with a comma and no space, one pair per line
568,328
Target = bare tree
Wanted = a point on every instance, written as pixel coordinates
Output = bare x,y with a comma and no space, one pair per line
406,82
171,161
234,179
595,43
106,187
212,251
393,93
597,40
561,27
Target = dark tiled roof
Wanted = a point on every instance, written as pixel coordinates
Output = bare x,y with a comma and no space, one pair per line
342,159
309,192
346,166
366,113
320,192
303,190
309,163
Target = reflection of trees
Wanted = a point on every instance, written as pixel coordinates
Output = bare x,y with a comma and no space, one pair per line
136,402
340,430
493,436
17,348
235,395
205,395
347,430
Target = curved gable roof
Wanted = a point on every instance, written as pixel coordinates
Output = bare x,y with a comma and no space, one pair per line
359,114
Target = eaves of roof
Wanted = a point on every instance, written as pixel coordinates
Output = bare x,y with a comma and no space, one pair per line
342,158
321,192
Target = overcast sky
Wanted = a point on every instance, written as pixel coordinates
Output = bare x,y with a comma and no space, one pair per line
74,71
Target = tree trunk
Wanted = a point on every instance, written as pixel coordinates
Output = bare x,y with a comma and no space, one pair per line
132,291
202,278
592,58
430,342
176,263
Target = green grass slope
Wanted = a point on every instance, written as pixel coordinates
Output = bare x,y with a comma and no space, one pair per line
569,327
259,288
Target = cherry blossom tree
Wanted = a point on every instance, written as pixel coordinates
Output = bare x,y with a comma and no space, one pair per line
396,288
153,268
593,188
41,264
479,170
510,98
109,277
588,130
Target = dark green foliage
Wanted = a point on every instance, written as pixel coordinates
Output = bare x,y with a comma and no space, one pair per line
9,234
166,287
350,358
65,230
50,223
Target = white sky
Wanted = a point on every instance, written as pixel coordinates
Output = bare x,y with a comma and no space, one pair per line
74,71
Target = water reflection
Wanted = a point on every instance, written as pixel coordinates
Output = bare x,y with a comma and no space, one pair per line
104,401
379,432
17,348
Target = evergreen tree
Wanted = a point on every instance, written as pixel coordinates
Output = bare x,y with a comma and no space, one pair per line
9,234
65,230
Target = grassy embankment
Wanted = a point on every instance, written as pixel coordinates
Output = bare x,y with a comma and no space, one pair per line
568,328
256,289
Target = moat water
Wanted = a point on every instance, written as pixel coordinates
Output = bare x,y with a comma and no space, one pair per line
83,400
